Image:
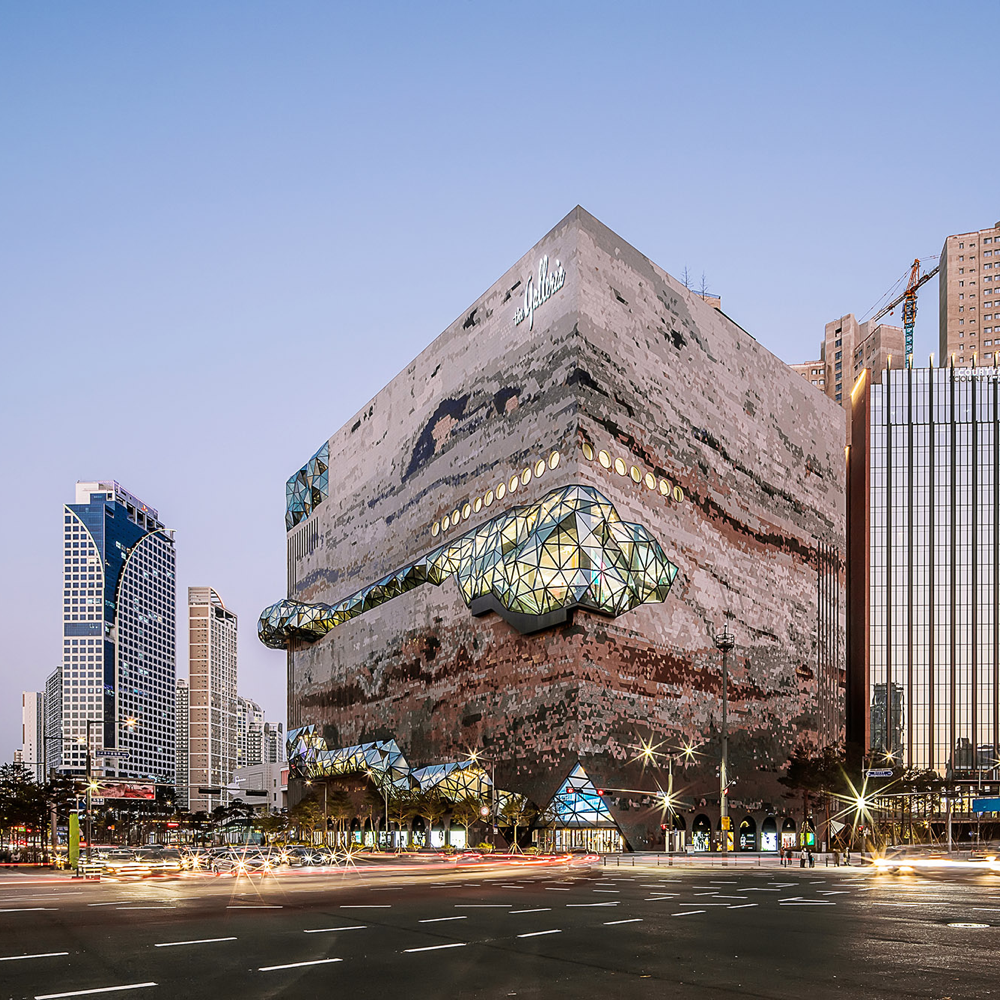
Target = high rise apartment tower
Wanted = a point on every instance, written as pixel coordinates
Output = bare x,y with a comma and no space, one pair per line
182,736
969,298
212,687
53,719
118,670
33,732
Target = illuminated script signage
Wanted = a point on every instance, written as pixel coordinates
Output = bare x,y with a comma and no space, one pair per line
537,292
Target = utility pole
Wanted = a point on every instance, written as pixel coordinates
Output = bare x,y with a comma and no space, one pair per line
724,640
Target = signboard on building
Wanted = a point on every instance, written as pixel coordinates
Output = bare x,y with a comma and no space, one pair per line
125,790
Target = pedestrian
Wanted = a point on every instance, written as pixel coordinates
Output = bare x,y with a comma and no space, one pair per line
783,865
812,860
836,859
802,858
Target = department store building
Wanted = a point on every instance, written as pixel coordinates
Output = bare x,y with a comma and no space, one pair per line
524,545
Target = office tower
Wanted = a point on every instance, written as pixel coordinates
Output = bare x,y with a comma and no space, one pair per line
118,671
33,732
181,738
969,298
212,693
53,720
249,726
923,588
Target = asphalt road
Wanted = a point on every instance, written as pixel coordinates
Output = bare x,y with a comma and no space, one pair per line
504,931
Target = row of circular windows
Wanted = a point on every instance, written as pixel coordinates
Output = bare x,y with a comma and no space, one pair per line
633,472
498,492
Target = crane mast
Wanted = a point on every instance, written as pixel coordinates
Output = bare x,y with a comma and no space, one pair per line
909,300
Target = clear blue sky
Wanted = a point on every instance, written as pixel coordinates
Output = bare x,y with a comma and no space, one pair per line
224,226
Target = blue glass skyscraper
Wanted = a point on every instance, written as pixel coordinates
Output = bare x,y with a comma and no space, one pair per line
119,606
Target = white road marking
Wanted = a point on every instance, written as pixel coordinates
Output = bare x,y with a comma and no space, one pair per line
687,913
481,906
553,888
177,944
988,909
113,902
102,989
539,933
540,909
805,902
633,920
44,954
720,896
28,909
610,902
146,907
439,920
298,965
232,906
328,930
366,906
606,890
741,906
437,947
655,899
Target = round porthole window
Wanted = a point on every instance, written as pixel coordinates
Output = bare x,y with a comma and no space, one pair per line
665,487
435,529
605,459
588,451
489,498
635,474
466,511
650,481
539,468
553,459
501,491
477,504
678,494
525,477
445,523
512,485
455,516
620,467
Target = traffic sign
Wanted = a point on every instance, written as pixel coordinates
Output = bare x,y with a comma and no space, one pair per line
985,805
111,753
881,772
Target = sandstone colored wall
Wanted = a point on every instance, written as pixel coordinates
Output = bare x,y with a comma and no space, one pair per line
623,358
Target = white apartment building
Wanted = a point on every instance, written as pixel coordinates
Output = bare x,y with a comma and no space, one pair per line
33,733
212,730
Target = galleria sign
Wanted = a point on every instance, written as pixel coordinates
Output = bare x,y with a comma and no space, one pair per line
537,293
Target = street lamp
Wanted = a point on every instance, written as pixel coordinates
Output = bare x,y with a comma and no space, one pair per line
385,797
325,843
648,752
475,757
724,640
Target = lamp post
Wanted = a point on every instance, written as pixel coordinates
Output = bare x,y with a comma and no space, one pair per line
648,754
309,783
724,640
475,756
385,797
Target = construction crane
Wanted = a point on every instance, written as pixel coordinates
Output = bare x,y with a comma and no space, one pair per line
909,300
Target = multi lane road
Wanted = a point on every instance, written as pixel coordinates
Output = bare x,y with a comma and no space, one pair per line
504,931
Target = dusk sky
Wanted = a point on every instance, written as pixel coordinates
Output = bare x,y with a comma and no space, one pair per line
225,226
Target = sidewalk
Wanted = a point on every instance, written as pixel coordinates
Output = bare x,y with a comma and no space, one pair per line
715,859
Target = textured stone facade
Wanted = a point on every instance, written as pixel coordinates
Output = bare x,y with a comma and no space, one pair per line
621,359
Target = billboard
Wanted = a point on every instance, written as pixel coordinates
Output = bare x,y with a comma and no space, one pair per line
125,790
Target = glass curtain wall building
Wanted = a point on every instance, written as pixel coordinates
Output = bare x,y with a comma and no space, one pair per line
118,669
924,554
